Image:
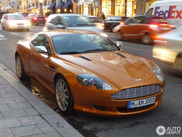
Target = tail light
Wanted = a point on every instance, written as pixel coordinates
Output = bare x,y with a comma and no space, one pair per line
153,26
103,25
35,18
45,18
121,23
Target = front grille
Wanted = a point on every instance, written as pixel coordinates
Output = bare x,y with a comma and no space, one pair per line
20,23
137,92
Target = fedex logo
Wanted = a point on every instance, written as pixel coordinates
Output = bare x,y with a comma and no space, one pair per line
171,13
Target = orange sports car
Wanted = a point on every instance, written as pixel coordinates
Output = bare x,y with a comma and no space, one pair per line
88,72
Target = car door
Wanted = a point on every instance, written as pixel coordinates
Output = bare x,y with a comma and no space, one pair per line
130,29
41,65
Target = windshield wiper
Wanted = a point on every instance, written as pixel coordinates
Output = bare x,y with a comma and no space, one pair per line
95,50
72,52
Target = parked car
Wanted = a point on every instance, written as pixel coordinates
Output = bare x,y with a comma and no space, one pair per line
36,19
168,49
70,21
142,27
14,21
88,72
112,21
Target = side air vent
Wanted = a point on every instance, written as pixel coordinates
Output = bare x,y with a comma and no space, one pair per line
85,58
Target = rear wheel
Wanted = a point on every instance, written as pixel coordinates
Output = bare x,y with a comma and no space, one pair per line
63,96
19,69
178,63
119,35
146,39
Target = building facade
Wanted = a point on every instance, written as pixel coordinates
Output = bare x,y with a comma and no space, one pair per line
87,7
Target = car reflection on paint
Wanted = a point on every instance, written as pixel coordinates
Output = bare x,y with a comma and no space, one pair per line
90,73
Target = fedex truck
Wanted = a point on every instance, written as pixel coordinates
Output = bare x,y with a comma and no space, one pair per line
169,9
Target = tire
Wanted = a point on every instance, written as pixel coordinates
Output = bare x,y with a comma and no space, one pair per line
19,69
112,27
63,96
178,63
146,39
3,27
119,35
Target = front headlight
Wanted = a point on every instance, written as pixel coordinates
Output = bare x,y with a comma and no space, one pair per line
91,80
158,72
27,23
11,23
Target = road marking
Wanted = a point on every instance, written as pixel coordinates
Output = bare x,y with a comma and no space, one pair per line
2,37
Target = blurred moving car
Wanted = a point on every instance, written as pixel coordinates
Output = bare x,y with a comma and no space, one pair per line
36,19
112,21
88,72
168,48
70,21
96,21
14,21
142,27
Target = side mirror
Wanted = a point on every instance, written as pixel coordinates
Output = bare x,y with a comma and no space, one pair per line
40,49
119,44
60,26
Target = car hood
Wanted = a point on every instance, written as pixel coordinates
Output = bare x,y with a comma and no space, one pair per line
116,67
18,21
91,28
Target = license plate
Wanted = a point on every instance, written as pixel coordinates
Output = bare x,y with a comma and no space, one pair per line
141,102
40,19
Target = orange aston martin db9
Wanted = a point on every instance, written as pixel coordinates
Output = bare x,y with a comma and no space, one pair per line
89,72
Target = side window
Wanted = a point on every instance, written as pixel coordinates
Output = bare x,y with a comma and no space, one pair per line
5,17
56,21
131,21
139,20
41,40
149,12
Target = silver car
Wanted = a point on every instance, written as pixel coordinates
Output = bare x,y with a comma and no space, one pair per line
14,21
70,21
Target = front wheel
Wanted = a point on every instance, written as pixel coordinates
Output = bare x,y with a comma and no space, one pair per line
178,63
146,39
19,69
63,96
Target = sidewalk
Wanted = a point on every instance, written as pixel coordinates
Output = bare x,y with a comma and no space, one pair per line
24,114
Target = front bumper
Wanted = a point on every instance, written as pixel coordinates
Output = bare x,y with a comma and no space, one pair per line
102,104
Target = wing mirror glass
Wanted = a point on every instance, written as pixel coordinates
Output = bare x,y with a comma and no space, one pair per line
119,44
40,49
60,26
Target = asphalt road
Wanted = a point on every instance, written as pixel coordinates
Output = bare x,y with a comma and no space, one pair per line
168,114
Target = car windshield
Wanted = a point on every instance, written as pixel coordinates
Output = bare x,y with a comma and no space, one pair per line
114,18
82,43
76,21
15,17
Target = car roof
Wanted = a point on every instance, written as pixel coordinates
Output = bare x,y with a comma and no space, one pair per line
149,16
12,14
67,14
52,33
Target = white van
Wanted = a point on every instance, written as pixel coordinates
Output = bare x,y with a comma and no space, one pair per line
169,9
